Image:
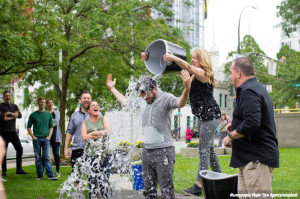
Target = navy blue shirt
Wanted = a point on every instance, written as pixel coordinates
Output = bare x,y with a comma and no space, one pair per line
253,117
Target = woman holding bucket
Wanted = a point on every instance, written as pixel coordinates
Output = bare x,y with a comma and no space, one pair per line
205,107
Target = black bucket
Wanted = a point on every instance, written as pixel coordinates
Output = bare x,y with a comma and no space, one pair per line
157,49
218,185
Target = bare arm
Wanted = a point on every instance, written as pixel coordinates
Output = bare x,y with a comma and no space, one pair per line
198,72
31,134
106,131
186,79
67,143
111,86
2,154
50,133
85,135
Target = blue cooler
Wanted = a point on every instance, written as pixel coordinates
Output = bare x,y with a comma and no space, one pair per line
138,182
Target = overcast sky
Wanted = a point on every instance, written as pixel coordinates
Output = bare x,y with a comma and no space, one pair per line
221,25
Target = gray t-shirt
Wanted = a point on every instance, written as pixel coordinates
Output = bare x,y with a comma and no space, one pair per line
156,121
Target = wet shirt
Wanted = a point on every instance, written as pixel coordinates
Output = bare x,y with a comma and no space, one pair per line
8,125
74,128
100,146
253,117
156,121
203,104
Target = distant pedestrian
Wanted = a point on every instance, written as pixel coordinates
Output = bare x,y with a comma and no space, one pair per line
8,114
223,130
41,120
188,135
176,132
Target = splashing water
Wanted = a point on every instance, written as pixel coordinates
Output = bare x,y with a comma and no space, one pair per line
103,157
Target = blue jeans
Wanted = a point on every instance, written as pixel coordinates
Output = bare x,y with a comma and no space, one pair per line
43,160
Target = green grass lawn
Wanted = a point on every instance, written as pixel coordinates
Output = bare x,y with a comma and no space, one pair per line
286,179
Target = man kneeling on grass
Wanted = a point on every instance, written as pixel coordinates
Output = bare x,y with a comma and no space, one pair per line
42,131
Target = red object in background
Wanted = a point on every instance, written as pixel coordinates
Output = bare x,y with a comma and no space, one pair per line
188,134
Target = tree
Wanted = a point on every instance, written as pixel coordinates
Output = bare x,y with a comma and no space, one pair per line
18,53
289,12
249,45
286,88
83,41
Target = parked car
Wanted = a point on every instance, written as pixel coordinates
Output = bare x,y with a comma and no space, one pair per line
27,149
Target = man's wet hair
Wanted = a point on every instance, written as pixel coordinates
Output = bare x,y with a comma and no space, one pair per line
145,84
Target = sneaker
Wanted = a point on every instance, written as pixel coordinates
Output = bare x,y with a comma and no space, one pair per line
52,178
58,174
3,180
3,173
39,177
21,172
194,190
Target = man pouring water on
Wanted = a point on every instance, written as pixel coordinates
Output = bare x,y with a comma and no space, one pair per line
158,156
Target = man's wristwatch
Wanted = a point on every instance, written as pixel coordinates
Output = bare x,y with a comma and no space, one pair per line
230,136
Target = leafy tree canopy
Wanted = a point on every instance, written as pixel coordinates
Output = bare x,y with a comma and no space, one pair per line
290,15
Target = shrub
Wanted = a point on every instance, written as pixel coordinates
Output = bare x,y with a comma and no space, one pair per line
193,144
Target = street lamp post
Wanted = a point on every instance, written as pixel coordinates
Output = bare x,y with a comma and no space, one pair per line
240,24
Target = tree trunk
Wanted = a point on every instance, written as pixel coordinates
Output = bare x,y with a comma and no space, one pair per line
62,106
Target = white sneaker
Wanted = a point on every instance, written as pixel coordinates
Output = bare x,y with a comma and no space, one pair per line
52,178
3,180
58,174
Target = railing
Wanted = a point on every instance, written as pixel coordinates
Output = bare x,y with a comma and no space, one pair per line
280,111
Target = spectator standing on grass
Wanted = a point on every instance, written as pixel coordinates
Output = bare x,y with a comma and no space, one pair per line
74,128
41,120
252,132
9,112
56,137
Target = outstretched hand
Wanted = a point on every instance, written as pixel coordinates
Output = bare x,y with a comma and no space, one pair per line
169,57
109,83
186,78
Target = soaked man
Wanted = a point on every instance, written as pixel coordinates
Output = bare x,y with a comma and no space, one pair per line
158,156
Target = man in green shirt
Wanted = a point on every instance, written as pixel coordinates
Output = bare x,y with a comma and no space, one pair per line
41,120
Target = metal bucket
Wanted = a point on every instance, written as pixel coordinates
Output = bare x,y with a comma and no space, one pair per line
157,49
218,185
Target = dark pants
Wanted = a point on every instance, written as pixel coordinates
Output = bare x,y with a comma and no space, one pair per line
75,155
158,168
55,150
12,136
98,176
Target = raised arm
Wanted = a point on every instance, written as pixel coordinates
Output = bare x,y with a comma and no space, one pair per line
187,80
198,72
111,86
